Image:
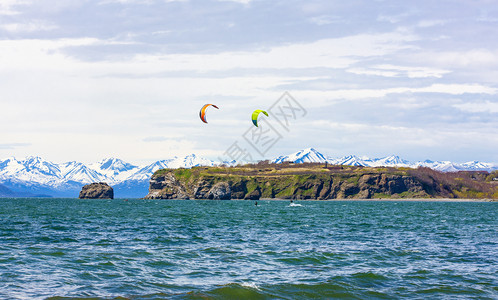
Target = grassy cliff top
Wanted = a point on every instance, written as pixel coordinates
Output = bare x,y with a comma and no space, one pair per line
267,169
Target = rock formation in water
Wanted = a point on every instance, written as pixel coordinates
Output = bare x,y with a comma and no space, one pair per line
97,190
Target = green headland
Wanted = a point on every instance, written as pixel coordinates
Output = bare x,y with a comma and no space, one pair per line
320,182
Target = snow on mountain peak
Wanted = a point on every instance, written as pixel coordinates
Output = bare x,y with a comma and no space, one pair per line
39,165
349,160
308,155
190,161
36,170
392,160
477,165
114,164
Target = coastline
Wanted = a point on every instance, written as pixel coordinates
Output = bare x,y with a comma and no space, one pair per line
295,200
312,181
391,200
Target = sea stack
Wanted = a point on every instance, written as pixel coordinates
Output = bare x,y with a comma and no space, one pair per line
97,190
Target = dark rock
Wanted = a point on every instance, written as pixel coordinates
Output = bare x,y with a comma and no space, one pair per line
239,189
201,189
254,195
347,190
97,190
220,191
166,187
364,194
325,191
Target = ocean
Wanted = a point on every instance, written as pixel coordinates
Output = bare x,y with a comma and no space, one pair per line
184,249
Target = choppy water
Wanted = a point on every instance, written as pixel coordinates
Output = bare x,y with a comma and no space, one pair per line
158,249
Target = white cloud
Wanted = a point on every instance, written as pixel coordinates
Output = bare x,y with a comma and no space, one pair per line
7,7
320,98
380,137
330,53
14,145
143,2
478,107
238,1
356,126
326,20
29,54
434,141
431,23
147,93
400,71
154,139
475,58
31,26
456,89
393,19
409,103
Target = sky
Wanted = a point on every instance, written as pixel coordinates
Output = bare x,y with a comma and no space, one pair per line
84,80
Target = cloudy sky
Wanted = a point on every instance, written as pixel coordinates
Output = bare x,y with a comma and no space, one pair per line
88,79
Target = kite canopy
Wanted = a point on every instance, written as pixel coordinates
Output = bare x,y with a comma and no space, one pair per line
255,115
202,113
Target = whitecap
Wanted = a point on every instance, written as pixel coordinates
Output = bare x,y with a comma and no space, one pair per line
250,285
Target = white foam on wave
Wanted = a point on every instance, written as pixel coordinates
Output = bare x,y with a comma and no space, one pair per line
251,285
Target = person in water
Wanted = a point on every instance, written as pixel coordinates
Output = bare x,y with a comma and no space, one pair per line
256,203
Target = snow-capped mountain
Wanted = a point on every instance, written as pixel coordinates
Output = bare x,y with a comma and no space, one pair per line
190,161
308,155
143,173
392,160
350,160
477,165
31,169
78,172
41,166
36,176
114,169
312,155
114,164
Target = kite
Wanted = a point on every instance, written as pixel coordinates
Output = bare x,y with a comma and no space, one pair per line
255,115
202,113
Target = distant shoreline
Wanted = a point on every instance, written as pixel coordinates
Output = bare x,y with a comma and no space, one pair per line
394,199
295,200
314,181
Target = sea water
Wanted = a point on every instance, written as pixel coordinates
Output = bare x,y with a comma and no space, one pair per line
167,249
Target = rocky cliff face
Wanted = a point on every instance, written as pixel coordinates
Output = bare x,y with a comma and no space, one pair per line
169,185
100,190
318,181
166,186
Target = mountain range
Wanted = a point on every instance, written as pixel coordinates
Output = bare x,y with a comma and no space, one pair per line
36,177
312,155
